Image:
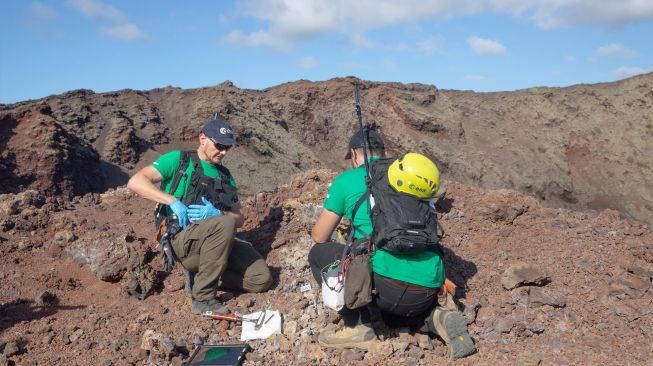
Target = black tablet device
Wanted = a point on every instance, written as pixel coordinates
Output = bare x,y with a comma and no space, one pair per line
218,355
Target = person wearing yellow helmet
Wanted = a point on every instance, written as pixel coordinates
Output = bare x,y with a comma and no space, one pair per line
407,284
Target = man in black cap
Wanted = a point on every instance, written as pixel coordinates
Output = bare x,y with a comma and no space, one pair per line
405,284
344,193
203,211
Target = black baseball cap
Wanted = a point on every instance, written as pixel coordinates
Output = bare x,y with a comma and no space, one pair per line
219,131
357,141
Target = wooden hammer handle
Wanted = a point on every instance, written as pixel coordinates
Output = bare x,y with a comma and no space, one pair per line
223,317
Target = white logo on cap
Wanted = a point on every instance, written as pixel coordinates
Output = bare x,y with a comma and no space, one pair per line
225,131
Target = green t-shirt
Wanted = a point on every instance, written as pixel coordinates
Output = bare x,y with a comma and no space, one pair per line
167,165
423,268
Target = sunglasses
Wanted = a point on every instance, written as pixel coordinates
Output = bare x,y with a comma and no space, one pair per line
218,146
221,147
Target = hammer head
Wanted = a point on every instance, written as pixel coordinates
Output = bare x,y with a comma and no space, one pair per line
260,320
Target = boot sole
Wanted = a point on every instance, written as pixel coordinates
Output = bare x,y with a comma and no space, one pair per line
360,344
460,343
222,311
364,345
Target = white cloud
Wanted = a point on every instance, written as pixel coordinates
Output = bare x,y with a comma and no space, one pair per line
112,22
41,11
298,20
308,62
610,13
360,41
615,50
626,72
474,78
430,45
95,9
223,19
571,58
42,21
486,46
259,38
124,31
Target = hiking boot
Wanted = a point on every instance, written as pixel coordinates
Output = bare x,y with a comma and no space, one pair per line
451,326
189,280
361,336
200,307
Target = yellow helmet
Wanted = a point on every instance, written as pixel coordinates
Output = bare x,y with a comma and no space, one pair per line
414,174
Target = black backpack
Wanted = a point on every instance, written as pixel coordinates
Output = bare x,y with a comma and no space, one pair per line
401,222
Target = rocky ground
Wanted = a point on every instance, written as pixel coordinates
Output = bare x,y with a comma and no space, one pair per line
584,146
542,186
538,285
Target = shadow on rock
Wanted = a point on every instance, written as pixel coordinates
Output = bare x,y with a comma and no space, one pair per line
458,270
21,310
444,205
263,235
12,180
276,275
114,176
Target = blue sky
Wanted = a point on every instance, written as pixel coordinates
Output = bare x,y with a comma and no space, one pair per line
49,47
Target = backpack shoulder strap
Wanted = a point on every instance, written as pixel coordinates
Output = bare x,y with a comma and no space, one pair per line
367,195
181,170
225,175
360,201
224,172
196,161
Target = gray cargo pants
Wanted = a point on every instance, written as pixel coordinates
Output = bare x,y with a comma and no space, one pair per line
207,247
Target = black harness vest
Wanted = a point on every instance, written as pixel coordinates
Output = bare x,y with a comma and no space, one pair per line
218,191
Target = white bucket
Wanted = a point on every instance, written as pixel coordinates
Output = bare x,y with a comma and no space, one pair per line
333,284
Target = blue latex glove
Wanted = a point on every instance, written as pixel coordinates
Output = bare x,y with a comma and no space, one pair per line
201,212
181,211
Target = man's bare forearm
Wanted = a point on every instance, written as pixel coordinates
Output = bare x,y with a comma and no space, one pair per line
144,187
